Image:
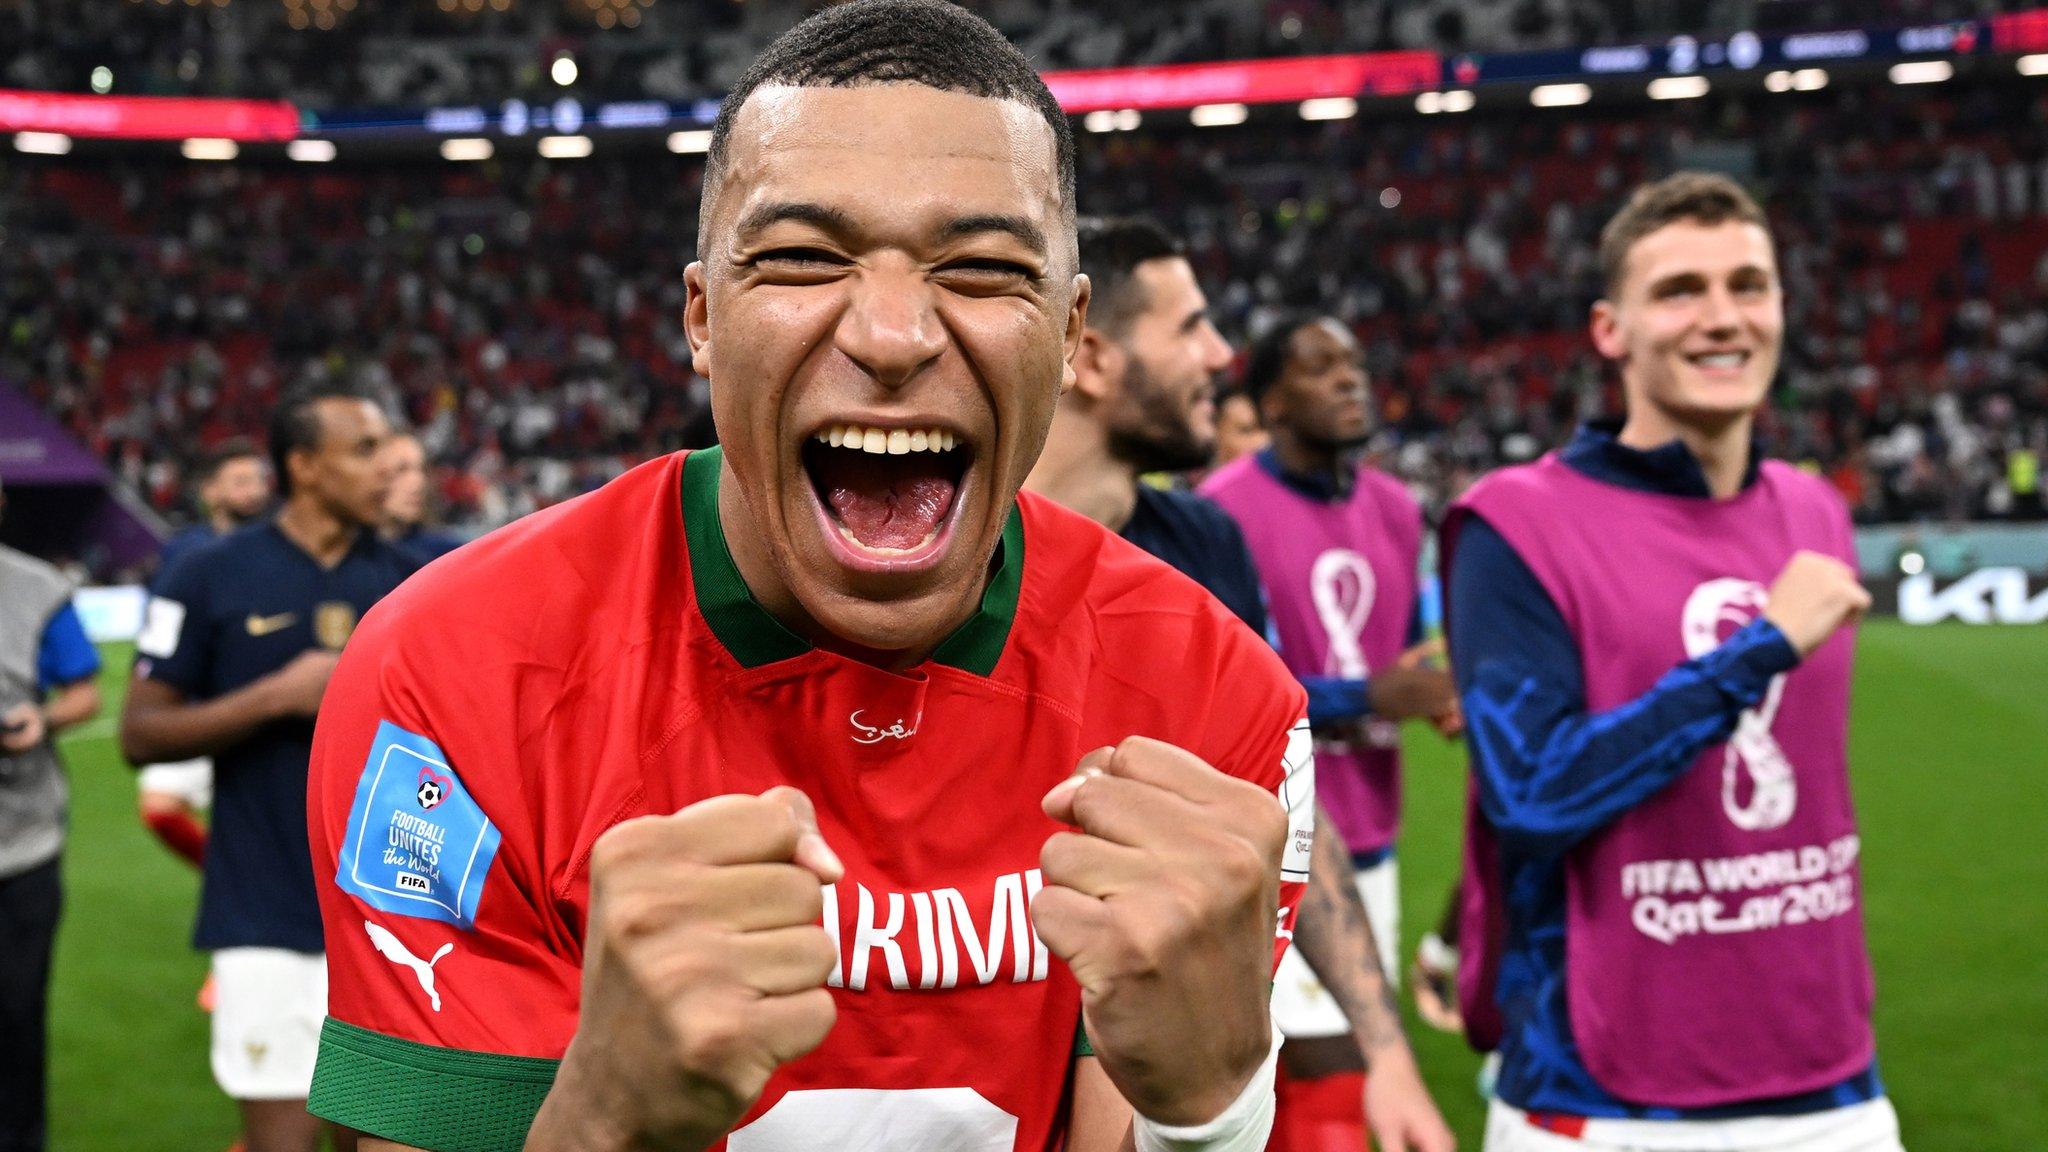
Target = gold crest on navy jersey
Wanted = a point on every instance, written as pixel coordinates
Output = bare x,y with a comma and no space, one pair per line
333,622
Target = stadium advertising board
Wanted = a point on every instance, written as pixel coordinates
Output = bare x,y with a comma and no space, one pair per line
1270,81
1986,596
147,117
1741,51
1247,81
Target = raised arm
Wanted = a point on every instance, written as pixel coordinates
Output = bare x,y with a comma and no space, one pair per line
1550,771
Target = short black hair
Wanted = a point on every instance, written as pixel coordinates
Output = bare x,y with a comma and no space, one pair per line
869,42
211,461
1267,361
295,422
1112,247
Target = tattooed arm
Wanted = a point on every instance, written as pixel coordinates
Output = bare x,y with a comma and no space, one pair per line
1336,938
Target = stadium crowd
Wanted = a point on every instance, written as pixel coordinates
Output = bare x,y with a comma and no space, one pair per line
524,316
329,53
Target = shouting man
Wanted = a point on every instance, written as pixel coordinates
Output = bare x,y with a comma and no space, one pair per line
820,791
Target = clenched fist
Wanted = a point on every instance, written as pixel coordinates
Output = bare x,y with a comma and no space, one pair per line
704,968
1813,597
1162,902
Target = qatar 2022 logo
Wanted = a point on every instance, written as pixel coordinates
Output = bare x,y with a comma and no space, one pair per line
1752,757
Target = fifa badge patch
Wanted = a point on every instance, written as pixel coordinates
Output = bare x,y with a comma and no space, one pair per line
417,842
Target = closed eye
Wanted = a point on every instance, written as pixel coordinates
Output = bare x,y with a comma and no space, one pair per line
984,274
988,264
800,256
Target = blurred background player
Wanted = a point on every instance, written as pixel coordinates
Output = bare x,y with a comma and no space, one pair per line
1143,401
1653,632
48,683
1338,545
1238,431
234,489
406,521
237,644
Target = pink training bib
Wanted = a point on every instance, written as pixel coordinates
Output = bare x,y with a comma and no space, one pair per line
1341,579
1714,936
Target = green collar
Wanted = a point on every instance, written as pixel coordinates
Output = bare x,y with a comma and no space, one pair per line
755,638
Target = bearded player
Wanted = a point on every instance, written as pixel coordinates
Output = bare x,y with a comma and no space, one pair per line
1652,631
1142,402
820,791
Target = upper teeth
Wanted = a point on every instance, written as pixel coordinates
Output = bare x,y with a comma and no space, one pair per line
1723,360
887,441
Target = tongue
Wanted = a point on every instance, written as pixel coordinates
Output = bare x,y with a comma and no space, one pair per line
886,501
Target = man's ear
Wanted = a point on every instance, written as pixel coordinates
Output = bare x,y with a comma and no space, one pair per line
1099,364
1077,327
697,319
1605,327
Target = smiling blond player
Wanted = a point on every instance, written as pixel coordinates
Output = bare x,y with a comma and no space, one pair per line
1653,631
738,801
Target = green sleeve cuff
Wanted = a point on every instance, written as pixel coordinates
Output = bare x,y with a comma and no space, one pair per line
443,1099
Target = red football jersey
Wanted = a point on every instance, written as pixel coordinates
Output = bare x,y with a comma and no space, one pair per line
603,660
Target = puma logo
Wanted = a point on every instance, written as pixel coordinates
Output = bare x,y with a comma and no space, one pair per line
265,625
389,947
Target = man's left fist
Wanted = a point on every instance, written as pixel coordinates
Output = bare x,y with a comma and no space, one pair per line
1163,904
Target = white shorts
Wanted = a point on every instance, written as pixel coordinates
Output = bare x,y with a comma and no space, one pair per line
269,1003
189,780
1301,1006
1871,1126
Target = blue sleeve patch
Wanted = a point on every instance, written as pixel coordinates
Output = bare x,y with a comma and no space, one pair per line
417,843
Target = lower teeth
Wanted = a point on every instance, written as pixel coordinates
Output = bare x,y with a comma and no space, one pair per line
883,550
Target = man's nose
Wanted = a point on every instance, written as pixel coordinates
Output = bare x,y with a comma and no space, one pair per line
891,328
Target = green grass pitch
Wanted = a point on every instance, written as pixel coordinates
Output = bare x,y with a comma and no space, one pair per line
1950,753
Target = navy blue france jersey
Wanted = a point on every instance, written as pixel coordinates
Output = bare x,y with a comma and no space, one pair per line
1200,539
227,614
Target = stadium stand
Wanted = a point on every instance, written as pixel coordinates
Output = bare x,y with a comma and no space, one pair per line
528,324
328,53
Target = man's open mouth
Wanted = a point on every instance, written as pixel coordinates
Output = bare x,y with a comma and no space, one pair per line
887,494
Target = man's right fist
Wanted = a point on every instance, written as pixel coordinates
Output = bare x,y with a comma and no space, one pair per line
704,969
1812,597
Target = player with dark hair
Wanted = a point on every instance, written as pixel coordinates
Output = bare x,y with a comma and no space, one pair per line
1239,431
819,789
233,489
1143,379
405,522
231,482
1143,402
1339,547
1652,631
236,647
